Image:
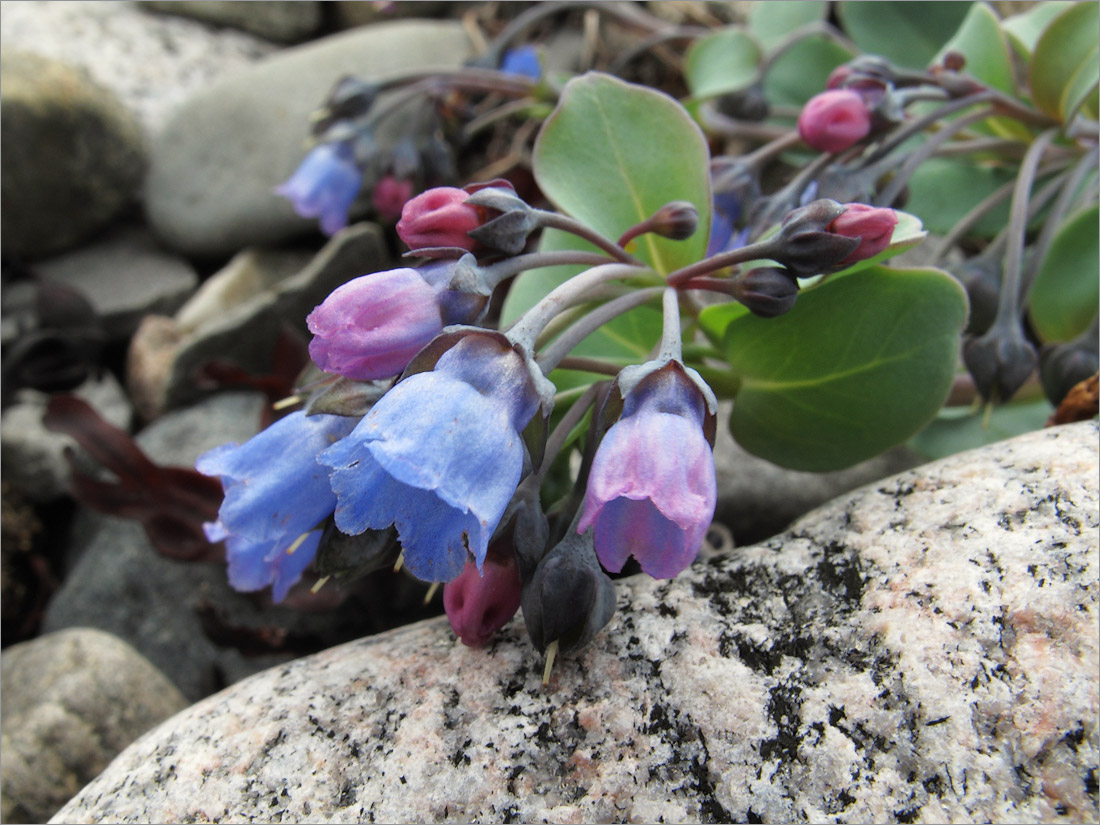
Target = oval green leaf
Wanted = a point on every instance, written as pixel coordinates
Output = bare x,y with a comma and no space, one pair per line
860,364
1025,28
1063,69
800,72
909,34
1067,288
726,61
956,429
772,23
613,153
943,190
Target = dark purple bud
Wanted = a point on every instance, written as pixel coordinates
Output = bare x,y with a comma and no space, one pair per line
481,602
804,244
766,291
746,104
676,220
349,99
1063,366
981,277
390,195
348,557
570,598
1000,361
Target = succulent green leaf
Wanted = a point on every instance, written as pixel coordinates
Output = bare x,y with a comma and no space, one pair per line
860,364
908,34
1025,28
943,190
800,72
771,23
726,61
984,45
1064,67
613,153
956,429
1067,288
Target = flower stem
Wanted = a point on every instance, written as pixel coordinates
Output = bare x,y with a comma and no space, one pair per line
925,151
1008,306
555,220
525,331
672,342
564,344
753,252
502,270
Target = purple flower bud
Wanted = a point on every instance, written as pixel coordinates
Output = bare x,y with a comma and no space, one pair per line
652,490
390,196
439,217
275,495
479,603
834,120
373,325
324,186
766,291
873,226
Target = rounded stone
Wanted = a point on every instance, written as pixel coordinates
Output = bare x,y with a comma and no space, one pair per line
73,155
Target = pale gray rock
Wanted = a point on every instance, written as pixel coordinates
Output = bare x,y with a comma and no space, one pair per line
152,62
924,649
284,21
215,165
73,155
125,276
71,701
33,456
239,315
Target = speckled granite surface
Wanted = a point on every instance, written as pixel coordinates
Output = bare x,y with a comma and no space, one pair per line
922,650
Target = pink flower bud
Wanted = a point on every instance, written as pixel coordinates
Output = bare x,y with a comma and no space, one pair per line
834,120
478,604
439,217
874,226
390,196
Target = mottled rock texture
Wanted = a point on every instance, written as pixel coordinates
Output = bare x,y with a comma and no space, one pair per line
73,156
71,701
922,650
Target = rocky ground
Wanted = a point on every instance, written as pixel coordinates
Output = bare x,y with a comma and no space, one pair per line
925,649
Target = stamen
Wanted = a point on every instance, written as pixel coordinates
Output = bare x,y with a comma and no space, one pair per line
551,652
431,592
289,401
319,584
297,543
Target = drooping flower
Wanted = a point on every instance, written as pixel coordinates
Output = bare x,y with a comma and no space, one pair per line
439,217
440,455
276,494
324,185
481,602
874,226
652,490
373,325
522,60
834,120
